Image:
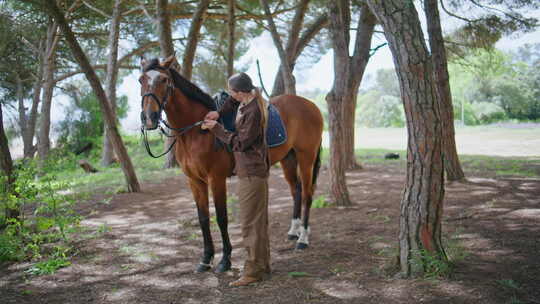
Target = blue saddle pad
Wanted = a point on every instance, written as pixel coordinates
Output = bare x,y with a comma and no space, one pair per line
276,134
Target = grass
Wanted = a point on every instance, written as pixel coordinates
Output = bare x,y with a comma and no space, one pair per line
473,165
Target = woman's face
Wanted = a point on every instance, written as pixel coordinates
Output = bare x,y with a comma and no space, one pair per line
238,95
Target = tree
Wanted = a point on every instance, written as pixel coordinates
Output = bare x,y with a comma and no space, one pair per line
6,168
125,161
21,52
231,23
348,72
44,143
285,68
422,201
452,166
293,52
107,156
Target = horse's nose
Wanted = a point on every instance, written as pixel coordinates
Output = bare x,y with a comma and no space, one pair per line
154,116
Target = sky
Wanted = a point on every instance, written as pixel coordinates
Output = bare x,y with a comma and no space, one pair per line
318,76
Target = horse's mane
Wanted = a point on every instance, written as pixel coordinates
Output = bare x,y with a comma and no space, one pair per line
187,87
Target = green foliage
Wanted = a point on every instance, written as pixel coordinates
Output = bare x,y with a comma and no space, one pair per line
509,284
297,274
497,85
320,202
380,111
53,219
431,265
381,106
84,121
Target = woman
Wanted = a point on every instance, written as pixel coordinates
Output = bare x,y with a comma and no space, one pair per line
250,150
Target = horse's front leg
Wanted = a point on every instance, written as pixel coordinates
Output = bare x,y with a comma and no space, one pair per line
200,193
219,191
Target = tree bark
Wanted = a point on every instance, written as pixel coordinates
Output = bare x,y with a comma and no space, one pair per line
107,156
167,49
288,78
125,161
311,31
339,34
44,142
193,38
422,200
349,71
452,165
28,136
6,167
358,62
230,31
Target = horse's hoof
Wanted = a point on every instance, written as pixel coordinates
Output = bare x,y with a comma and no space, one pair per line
203,268
223,267
301,246
292,237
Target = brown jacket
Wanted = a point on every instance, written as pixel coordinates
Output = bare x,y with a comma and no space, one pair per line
248,142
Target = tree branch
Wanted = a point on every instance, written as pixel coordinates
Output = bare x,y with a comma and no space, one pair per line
97,10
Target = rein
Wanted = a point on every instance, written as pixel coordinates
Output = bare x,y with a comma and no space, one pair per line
161,105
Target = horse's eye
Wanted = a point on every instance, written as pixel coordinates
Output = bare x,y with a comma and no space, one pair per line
163,79
140,80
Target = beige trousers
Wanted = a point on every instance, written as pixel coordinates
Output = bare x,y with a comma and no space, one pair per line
253,215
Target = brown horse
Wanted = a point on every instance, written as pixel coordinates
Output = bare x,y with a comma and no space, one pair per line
163,89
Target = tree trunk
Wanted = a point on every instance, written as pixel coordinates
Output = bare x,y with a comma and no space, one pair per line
193,38
291,47
452,165
167,49
230,32
339,33
107,156
6,167
422,201
311,31
28,136
290,85
125,161
44,143
358,62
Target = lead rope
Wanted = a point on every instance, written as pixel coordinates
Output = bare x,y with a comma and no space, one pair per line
181,130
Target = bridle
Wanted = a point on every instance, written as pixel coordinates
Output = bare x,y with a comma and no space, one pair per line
161,104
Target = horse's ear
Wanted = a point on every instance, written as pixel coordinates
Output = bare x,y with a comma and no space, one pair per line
170,62
143,61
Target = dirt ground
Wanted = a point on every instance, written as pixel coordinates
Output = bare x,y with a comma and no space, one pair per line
154,243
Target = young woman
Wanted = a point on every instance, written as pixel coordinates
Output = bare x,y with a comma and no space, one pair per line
251,165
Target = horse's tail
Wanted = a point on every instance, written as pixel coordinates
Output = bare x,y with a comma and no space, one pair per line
316,167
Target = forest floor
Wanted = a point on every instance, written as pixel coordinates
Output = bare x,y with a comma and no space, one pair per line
151,243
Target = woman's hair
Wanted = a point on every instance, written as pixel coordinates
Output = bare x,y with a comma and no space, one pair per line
241,82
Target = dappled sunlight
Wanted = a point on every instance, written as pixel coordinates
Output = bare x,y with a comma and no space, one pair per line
341,289
524,213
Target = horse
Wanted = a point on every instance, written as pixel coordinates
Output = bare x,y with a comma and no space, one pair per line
206,166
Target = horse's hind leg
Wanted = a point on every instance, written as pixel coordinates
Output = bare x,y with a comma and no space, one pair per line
200,193
306,162
219,192
289,166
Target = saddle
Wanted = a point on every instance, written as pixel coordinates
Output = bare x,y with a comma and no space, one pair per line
276,134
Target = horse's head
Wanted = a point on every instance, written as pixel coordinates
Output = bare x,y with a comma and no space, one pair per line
156,90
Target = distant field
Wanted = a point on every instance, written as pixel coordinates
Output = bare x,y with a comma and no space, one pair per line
496,140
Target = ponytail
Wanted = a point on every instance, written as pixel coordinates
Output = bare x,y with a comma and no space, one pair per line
263,107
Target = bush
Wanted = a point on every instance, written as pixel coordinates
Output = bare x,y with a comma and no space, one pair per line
487,112
380,111
53,218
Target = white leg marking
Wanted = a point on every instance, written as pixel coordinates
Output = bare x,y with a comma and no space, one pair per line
295,227
304,235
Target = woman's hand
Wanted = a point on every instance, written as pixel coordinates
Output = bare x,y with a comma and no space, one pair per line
212,115
208,124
